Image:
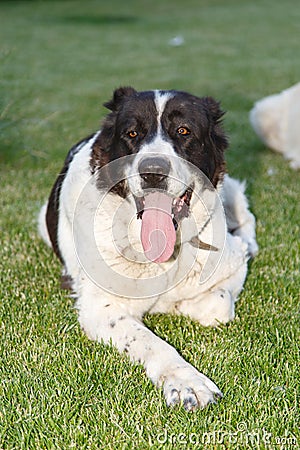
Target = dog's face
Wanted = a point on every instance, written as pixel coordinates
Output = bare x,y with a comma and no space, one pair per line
164,132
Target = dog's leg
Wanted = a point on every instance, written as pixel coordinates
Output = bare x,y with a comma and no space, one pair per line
210,309
216,304
107,321
240,221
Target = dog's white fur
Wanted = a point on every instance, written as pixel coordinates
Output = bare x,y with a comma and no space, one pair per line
276,119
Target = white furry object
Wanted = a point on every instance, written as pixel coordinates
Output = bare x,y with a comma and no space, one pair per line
276,119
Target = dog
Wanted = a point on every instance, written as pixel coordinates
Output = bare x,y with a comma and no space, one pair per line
275,120
145,219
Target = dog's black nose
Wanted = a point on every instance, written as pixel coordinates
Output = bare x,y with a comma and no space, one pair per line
153,170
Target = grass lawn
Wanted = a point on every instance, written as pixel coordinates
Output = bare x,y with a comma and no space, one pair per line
59,61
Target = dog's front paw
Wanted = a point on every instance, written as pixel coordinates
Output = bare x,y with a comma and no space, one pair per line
192,389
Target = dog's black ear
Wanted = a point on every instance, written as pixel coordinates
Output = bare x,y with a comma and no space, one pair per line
118,97
217,139
213,109
104,141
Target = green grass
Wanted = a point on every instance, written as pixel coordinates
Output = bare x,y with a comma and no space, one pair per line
59,61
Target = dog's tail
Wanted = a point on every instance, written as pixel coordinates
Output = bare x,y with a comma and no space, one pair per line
42,226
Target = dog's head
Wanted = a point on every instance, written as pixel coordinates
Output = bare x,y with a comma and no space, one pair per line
165,132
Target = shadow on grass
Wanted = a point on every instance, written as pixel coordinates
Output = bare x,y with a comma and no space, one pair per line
90,19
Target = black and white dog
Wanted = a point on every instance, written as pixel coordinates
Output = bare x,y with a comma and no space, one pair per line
136,218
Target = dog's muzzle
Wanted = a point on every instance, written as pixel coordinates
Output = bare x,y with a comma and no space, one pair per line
159,210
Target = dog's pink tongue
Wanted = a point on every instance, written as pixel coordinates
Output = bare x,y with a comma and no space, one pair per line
158,234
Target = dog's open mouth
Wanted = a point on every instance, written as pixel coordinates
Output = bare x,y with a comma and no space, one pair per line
160,214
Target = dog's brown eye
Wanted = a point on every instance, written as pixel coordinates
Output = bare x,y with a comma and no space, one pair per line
132,134
183,131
